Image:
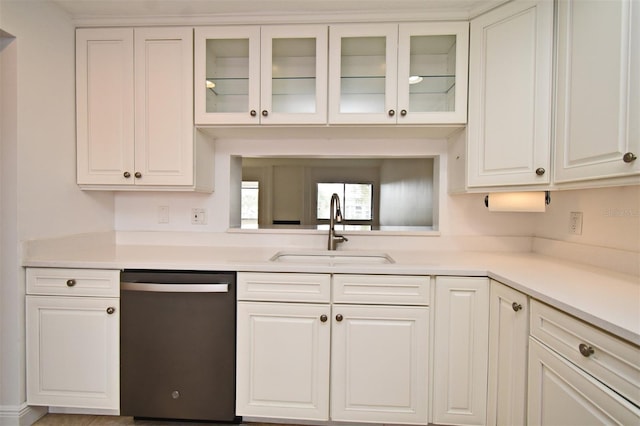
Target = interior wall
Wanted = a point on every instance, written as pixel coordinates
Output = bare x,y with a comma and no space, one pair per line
611,217
401,184
460,215
39,195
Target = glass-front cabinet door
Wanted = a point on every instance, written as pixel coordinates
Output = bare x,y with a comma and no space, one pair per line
261,75
432,72
362,73
413,73
294,74
227,75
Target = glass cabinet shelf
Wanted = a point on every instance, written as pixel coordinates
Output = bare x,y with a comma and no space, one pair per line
419,84
229,86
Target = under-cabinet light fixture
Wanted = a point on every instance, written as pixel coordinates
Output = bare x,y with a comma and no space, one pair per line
525,202
210,84
415,79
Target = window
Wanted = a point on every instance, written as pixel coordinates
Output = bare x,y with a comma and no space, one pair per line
356,201
249,204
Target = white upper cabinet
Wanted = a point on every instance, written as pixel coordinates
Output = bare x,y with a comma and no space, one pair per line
510,95
134,90
104,105
598,93
261,75
163,106
404,74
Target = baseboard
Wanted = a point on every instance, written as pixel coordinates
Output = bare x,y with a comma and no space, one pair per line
20,415
91,411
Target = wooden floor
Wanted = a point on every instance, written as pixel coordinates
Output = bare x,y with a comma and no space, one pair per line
88,420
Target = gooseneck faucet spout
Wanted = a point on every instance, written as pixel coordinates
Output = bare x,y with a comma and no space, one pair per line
335,216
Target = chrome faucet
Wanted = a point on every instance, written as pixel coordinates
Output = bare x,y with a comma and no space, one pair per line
335,216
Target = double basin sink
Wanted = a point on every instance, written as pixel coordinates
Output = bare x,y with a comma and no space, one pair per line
329,258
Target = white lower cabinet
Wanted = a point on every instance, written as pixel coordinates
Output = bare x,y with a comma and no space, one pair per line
72,338
379,364
562,394
508,343
283,360
371,358
579,374
460,350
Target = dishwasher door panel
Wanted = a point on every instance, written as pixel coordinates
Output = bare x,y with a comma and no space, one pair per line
178,354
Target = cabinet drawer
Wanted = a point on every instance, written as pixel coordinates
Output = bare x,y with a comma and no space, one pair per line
607,358
381,289
285,287
73,282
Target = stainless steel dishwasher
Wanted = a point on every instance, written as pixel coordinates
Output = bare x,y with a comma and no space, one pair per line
177,345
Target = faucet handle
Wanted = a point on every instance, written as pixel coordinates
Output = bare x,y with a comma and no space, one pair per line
341,238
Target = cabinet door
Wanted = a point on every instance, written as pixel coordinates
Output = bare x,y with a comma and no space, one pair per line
508,343
432,72
460,350
561,394
227,75
363,73
104,105
164,105
73,352
293,74
379,364
509,131
598,93
283,360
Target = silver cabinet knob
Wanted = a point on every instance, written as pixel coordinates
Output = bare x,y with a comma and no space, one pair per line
127,175
71,283
403,112
138,175
339,317
392,113
540,171
629,157
585,350
253,113
516,306
111,310
175,394
265,112
323,318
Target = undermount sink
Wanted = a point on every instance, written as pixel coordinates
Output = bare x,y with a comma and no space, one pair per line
327,257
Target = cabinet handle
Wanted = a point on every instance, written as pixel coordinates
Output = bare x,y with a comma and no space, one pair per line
516,306
403,112
127,175
71,283
138,175
253,113
540,171
265,112
339,317
629,157
111,310
323,318
586,350
391,113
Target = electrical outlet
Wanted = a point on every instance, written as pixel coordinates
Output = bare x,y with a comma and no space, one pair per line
198,216
575,223
163,214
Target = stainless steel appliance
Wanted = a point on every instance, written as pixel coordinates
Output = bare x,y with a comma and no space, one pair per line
177,349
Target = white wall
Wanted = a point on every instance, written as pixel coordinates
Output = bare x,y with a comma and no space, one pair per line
611,217
39,195
460,215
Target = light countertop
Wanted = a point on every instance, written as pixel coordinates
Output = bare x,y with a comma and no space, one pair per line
604,298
